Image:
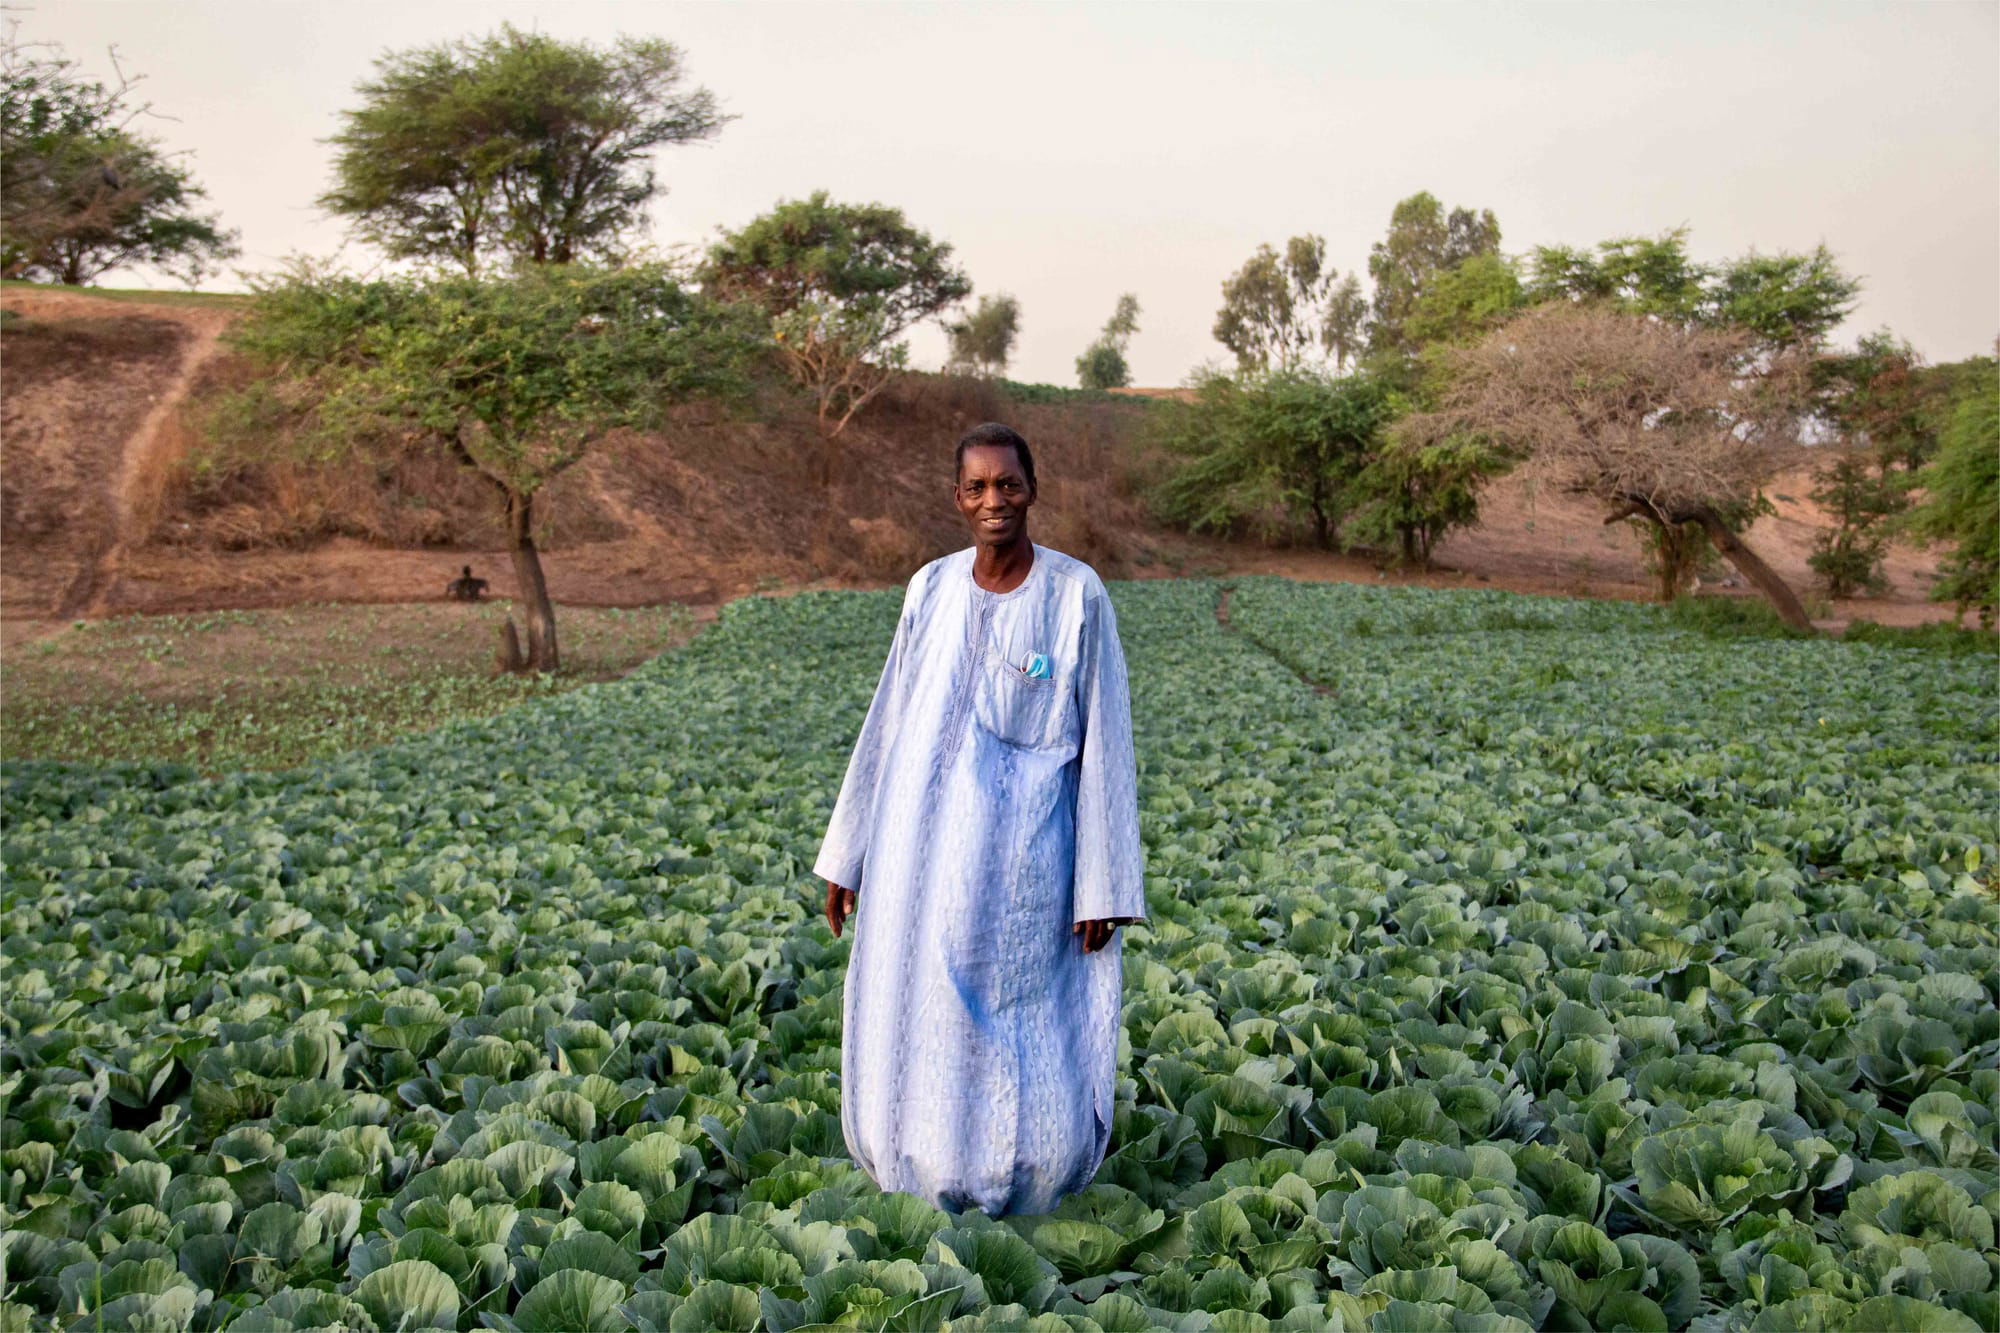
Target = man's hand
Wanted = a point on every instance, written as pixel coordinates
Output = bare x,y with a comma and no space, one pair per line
839,905
1096,934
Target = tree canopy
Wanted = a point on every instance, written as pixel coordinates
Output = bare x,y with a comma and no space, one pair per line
851,256
1880,399
1790,302
840,284
1456,308
1645,275
82,191
516,145
1786,301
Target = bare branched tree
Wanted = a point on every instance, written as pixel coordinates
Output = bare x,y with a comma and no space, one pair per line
1665,423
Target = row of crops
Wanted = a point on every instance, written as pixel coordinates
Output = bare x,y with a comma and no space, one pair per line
1513,964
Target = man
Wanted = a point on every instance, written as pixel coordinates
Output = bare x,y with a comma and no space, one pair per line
465,588
986,837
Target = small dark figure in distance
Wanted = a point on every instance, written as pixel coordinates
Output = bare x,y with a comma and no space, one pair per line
465,588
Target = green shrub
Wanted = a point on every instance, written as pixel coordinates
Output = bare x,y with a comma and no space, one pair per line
1937,637
1729,618
1962,505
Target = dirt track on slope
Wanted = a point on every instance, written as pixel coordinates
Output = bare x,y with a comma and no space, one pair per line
134,483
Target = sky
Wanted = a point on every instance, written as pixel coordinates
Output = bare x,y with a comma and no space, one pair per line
1071,152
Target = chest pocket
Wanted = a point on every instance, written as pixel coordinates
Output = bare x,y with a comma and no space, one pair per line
1021,710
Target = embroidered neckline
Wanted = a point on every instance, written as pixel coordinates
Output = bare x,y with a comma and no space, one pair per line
1034,572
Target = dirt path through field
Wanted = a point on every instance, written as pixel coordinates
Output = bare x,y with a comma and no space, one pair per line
91,589
1222,619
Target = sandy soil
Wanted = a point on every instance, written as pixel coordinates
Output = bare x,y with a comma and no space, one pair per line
696,518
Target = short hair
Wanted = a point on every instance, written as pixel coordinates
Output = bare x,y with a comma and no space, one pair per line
992,432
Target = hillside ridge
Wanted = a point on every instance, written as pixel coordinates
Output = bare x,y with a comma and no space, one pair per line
95,415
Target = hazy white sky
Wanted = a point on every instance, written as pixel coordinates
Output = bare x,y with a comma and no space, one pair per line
1072,152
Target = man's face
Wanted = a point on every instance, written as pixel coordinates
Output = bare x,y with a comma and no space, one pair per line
993,494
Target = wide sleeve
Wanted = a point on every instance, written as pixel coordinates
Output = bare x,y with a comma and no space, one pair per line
1110,864
845,848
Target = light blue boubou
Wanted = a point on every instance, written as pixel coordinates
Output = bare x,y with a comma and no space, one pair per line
981,818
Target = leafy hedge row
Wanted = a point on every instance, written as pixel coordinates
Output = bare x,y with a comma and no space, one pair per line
1548,966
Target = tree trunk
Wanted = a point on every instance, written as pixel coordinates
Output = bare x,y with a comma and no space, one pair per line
1321,535
1410,555
1762,575
509,659
1669,561
1669,543
540,616
828,455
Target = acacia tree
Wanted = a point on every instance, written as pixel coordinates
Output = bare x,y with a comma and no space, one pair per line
1784,304
514,379
984,339
82,190
840,284
1102,364
1662,422
516,144
1278,310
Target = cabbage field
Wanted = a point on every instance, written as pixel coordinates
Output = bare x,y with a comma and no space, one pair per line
1513,963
